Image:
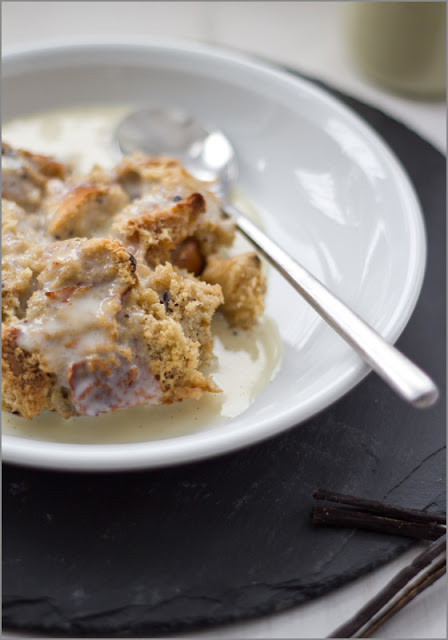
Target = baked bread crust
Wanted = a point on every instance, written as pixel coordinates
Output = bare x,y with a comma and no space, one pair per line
110,282
26,386
25,176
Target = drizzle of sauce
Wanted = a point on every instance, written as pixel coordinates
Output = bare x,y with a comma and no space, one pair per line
255,355
99,388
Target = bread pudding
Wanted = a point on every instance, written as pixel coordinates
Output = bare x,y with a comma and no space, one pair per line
110,281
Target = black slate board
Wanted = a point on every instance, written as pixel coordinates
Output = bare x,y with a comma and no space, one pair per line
151,553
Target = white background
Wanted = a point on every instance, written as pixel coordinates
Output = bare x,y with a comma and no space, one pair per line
309,36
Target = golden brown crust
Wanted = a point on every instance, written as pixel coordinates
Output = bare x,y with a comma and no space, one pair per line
165,180
154,234
96,317
46,165
25,176
26,387
84,210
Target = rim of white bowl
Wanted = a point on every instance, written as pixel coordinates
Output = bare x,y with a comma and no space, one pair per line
207,444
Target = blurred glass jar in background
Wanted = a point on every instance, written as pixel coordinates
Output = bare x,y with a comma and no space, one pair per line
400,45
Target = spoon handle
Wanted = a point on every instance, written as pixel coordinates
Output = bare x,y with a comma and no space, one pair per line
408,380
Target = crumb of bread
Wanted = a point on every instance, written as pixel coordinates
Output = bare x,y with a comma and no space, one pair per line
154,233
243,285
110,284
162,182
186,299
22,246
26,386
84,210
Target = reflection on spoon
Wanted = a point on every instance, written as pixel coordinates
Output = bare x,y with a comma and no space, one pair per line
208,152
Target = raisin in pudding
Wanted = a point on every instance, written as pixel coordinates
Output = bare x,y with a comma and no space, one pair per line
110,283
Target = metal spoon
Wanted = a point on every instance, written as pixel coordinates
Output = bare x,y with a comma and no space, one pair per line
209,155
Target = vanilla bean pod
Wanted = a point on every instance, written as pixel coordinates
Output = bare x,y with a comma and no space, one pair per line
391,590
425,580
381,508
339,517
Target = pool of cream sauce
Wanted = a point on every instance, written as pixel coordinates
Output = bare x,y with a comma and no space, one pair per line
245,361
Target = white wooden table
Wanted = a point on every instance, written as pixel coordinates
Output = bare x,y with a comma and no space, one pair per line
308,36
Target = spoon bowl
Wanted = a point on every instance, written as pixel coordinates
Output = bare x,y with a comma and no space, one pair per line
209,155
204,151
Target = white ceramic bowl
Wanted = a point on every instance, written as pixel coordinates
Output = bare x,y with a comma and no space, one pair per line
329,191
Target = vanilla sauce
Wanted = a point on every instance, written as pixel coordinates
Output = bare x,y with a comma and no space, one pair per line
245,361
